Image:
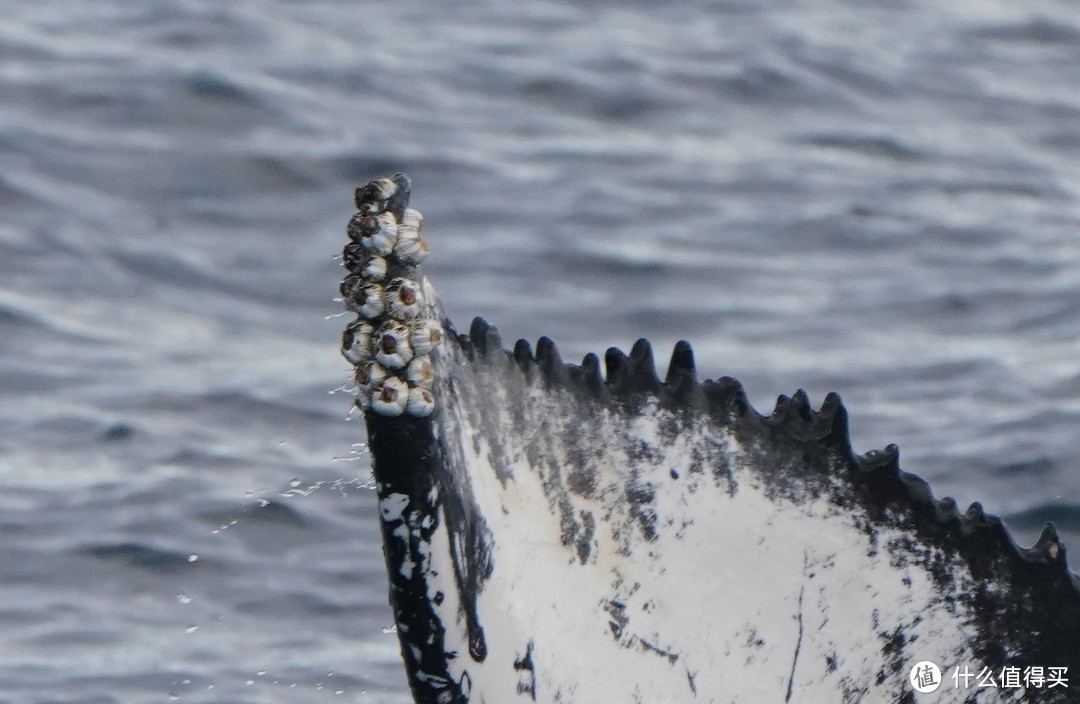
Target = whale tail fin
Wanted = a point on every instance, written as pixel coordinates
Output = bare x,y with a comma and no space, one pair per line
591,532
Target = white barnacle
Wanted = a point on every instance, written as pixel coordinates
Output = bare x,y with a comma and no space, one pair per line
364,263
410,247
421,372
356,341
375,269
421,402
391,397
392,348
413,219
373,195
381,236
369,376
366,298
359,225
426,336
385,187
403,299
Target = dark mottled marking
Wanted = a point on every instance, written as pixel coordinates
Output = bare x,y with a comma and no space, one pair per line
672,657
527,680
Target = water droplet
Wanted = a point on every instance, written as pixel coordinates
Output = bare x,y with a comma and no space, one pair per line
263,503
390,629
183,598
173,696
250,682
193,557
260,673
295,483
191,629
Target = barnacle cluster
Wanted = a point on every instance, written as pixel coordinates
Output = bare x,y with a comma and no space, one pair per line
391,340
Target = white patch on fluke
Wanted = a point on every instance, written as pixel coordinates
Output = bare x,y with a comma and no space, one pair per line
708,602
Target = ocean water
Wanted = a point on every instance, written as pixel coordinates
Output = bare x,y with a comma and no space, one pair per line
876,198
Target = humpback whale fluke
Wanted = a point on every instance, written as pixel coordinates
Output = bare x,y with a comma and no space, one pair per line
557,534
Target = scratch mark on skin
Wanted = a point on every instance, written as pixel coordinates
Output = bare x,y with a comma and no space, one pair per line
798,642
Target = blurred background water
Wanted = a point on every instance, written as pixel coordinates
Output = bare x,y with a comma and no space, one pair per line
878,198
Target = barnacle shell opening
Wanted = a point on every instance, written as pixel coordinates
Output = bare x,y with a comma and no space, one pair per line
374,193
403,299
369,375
360,261
390,398
421,402
367,300
360,225
392,348
356,341
383,239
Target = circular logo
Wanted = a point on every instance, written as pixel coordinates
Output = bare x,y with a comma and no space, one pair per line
925,677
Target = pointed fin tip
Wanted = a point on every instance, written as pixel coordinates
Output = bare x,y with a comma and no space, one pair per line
1049,546
681,368
800,403
617,365
589,377
874,460
550,362
945,510
591,364
643,367
835,415
523,355
485,338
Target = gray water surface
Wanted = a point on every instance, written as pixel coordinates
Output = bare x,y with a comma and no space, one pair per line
880,199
